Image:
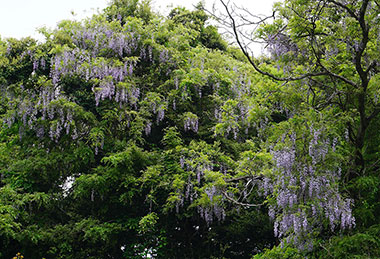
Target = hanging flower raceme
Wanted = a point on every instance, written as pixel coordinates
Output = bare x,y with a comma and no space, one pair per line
198,163
305,190
191,122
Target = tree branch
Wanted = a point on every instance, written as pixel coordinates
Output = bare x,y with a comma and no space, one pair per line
374,113
345,7
251,177
258,69
240,203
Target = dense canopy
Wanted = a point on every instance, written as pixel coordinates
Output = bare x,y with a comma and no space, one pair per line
132,135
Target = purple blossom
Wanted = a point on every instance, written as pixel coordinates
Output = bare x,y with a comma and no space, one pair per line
148,128
43,63
150,53
40,132
280,44
35,65
305,189
143,53
191,123
199,174
182,161
284,158
130,69
160,114
176,82
164,56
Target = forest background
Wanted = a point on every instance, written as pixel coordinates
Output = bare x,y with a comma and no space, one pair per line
133,135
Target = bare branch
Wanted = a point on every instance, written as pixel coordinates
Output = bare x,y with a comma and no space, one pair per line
345,7
245,177
375,112
373,65
252,62
240,203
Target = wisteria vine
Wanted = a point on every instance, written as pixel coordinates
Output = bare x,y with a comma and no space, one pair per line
305,191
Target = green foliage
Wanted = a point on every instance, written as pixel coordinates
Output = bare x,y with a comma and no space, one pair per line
97,174
280,253
208,36
130,135
122,9
359,245
147,222
329,83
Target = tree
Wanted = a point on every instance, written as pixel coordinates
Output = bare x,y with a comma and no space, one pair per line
327,51
331,46
118,137
131,135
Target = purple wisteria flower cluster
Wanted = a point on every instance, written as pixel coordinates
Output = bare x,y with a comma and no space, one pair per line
37,61
233,113
280,44
197,166
233,118
106,56
106,73
306,192
191,122
214,210
156,104
64,121
44,113
102,39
